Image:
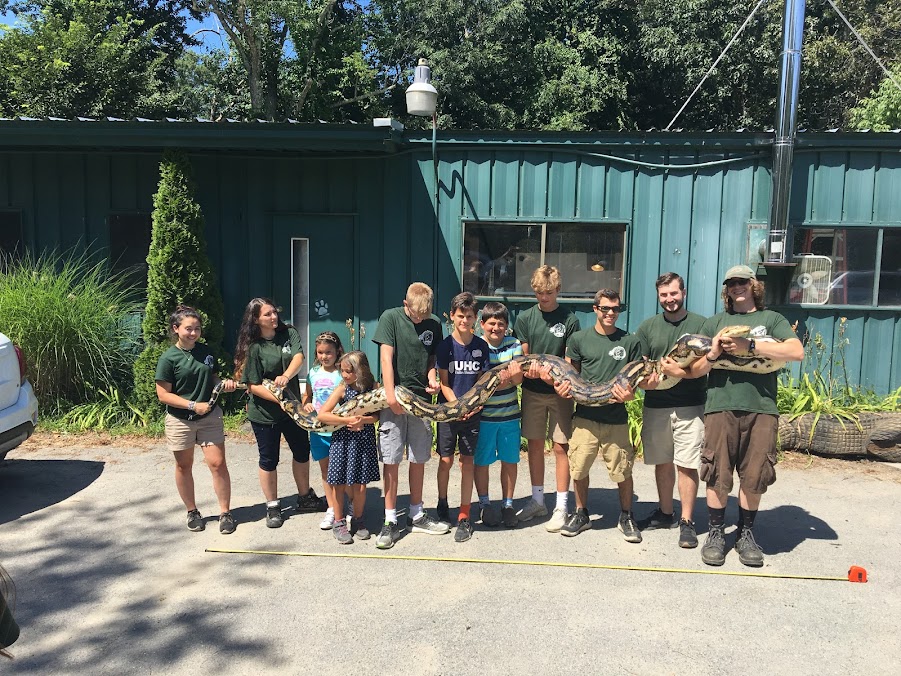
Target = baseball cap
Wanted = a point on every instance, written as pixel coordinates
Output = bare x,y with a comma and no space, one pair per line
739,272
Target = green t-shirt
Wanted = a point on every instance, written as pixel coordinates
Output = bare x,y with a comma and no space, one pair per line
737,390
192,374
657,336
413,345
269,359
600,358
545,333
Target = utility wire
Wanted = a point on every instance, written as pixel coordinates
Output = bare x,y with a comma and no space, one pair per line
865,45
722,54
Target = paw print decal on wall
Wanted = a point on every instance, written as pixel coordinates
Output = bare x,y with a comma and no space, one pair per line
321,308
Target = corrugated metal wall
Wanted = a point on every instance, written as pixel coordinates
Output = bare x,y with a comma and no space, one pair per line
694,222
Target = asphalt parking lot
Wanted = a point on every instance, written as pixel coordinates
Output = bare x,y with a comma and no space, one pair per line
111,582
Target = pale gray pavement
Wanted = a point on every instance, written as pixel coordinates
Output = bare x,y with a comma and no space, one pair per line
111,582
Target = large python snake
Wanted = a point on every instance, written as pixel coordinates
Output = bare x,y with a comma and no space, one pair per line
692,346
687,349
583,392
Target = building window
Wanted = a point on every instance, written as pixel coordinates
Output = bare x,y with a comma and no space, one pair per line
129,243
846,266
499,258
12,245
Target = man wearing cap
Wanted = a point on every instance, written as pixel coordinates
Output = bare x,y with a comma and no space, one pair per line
741,417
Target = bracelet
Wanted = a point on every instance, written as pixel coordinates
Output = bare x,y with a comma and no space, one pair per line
191,405
752,345
707,357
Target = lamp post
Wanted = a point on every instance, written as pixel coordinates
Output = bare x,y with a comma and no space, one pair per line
422,100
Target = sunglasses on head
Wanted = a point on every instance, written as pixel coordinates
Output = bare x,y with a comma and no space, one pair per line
737,282
605,309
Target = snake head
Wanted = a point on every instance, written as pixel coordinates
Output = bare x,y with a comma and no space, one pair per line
737,331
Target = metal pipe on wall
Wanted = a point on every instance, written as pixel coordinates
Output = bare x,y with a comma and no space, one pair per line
786,126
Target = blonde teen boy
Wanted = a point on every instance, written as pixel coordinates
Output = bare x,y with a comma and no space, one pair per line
544,329
499,432
407,338
461,358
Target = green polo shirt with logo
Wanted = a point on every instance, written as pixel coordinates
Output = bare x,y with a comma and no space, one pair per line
192,374
657,336
545,333
738,390
600,358
413,345
269,359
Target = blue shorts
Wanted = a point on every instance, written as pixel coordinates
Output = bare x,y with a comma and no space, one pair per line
319,445
498,441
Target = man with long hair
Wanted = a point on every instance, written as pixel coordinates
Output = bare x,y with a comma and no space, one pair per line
741,416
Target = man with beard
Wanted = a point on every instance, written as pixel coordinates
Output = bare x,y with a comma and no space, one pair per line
672,431
741,416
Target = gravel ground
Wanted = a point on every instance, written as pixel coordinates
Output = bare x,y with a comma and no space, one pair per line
110,582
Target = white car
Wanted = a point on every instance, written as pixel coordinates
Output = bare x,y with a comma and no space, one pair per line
18,405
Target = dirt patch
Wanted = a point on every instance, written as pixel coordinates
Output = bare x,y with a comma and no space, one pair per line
844,466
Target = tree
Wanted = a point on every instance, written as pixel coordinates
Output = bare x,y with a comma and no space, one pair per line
881,111
179,273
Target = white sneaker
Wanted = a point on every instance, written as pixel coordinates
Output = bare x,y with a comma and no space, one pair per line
558,518
328,519
531,510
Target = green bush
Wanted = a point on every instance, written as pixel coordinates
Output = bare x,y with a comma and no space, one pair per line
179,273
70,316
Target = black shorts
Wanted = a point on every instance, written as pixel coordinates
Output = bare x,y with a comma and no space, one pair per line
269,438
463,434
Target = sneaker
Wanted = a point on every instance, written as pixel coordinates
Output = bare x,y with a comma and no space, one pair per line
311,503
359,529
575,524
428,524
657,520
195,521
328,520
508,515
749,552
464,530
489,516
713,553
274,517
558,518
227,523
443,511
389,534
342,535
629,528
688,537
531,510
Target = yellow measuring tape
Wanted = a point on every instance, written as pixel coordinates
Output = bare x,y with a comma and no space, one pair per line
555,564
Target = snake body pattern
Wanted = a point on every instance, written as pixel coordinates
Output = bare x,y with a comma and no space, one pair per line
687,349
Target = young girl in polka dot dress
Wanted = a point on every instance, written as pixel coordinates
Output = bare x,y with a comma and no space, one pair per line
353,457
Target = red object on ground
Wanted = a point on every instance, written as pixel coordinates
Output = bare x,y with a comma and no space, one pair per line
857,574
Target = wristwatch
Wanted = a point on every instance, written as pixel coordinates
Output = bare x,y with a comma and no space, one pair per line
707,357
752,345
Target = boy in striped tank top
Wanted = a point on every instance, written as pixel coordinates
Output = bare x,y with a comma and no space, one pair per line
499,432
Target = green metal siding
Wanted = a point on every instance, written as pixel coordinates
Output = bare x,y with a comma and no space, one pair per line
693,221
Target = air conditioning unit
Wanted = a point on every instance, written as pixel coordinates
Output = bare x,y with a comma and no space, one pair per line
810,280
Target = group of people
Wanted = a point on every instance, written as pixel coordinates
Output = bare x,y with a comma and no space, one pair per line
708,426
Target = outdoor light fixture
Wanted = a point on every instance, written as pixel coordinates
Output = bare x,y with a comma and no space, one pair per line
422,97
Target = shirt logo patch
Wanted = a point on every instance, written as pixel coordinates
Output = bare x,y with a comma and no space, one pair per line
476,353
618,353
286,348
427,338
558,330
758,331
209,361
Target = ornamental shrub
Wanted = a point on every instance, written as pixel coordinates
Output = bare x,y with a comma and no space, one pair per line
179,273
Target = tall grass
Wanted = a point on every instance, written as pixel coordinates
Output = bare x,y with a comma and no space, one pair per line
70,316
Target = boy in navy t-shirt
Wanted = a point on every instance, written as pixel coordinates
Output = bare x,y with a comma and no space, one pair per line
461,358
